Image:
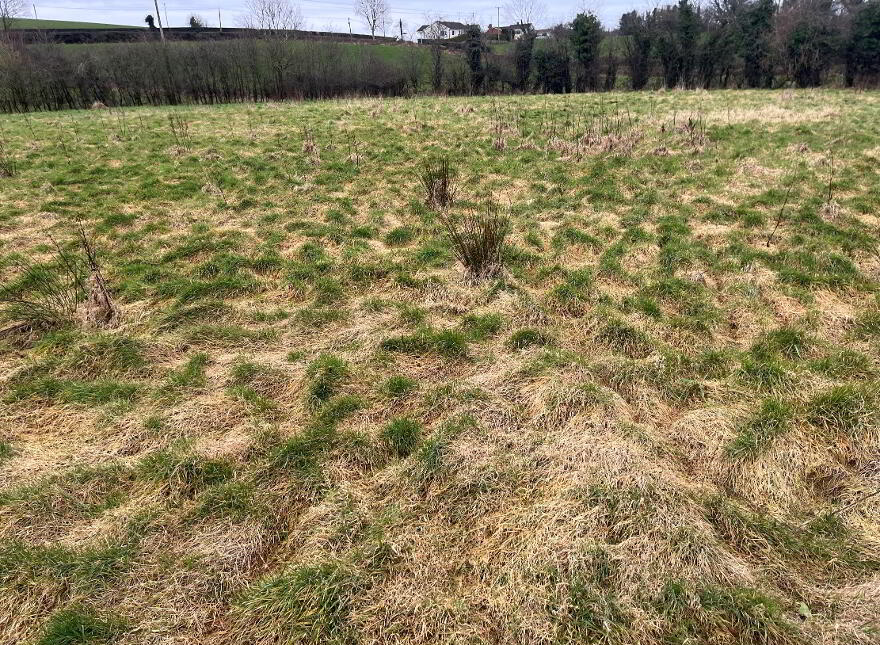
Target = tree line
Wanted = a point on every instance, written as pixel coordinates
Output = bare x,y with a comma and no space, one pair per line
731,43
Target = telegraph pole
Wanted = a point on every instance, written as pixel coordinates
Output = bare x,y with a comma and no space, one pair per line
498,18
401,29
349,28
220,20
159,18
35,11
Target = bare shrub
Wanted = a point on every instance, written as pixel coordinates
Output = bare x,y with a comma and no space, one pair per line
310,146
7,162
44,295
99,310
478,239
57,292
438,179
179,130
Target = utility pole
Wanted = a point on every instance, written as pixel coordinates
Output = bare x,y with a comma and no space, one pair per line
401,29
165,6
35,12
159,18
220,20
349,28
498,25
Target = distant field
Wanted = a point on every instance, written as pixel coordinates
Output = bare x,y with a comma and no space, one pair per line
660,424
30,23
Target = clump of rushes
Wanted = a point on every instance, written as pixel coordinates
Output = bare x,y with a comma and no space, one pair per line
478,240
326,374
8,167
402,436
438,180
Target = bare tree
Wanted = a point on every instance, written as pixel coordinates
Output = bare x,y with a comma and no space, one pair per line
10,9
373,12
525,11
272,15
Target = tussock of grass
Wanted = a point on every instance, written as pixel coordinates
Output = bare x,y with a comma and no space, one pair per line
182,474
79,569
7,450
766,374
399,386
772,419
402,436
867,325
326,374
233,500
576,293
712,612
303,453
481,327
523,338
592,616
845,408
626,339
78,625
308,604
790,342
448,342
846,363
198,312
71,391
764,537
191,374
229,335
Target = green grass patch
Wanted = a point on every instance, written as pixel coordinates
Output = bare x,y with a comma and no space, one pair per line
772,419
402,436
78,625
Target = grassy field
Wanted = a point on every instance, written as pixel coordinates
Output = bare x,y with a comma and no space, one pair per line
660,425
31,23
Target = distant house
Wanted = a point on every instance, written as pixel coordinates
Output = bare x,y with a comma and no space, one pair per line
543,33
515,32
440,30
493,32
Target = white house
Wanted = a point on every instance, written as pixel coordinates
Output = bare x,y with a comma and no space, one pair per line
441,30
515,32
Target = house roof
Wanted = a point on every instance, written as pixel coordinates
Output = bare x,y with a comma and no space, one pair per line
446,23
525,26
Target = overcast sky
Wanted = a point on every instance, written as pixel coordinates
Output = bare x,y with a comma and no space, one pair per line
320,14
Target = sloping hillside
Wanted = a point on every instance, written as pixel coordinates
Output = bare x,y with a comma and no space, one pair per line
32,23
